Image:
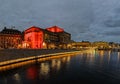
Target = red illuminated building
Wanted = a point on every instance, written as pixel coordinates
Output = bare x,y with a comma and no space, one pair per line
55,29
49,38
35,38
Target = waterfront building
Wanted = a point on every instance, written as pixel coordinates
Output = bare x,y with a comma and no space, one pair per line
114,45
10,38
83,44
49,38
101,44
33,37
58,37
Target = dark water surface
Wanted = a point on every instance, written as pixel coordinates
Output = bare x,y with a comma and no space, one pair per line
91,67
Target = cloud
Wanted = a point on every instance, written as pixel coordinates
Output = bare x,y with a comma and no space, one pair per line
114,19
107,20
45,11
112,23
112,32
74,16
84,19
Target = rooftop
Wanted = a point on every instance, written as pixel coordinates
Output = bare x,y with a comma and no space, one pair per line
10,31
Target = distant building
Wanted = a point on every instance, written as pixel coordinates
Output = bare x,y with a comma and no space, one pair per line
49,38
10,38
83,44
101,44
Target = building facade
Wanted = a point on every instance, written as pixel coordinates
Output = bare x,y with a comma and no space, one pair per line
83,44
58,38
49,38
35,38
10,38
101,45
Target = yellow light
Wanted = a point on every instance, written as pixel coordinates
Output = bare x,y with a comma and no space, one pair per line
44,44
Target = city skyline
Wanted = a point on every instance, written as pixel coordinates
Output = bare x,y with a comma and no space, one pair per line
85,19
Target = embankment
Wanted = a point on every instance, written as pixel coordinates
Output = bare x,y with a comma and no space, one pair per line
10,54
13,58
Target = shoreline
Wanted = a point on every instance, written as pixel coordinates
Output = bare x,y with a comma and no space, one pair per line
39,55
10,54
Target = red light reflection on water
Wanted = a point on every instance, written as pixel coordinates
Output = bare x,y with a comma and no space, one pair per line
32,72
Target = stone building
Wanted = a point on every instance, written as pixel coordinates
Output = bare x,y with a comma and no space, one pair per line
10,38
83,44
49,38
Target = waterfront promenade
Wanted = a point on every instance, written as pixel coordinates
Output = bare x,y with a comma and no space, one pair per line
11,54
12,58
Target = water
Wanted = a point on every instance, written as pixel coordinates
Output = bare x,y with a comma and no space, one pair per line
91,67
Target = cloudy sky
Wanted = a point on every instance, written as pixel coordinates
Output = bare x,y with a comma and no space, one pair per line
89,20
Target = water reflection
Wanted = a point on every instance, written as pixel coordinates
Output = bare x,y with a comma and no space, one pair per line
44,70
17,78
32,72
90,65
118,56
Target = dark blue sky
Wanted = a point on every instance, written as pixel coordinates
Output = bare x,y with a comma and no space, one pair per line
91,20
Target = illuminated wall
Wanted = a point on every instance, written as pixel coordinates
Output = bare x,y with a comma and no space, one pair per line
49,38
55,29
10,38
34,37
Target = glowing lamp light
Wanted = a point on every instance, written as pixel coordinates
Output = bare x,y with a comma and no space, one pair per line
44,44
25,45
